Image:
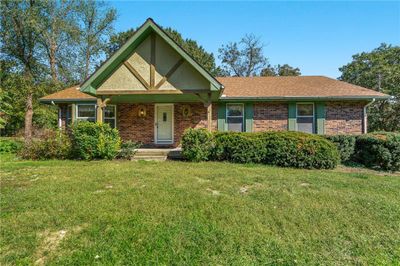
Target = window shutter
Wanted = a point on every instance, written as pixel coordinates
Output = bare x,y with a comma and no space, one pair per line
221,116
249,117
292,116
320,117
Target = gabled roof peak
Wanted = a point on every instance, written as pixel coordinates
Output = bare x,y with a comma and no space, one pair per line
91,84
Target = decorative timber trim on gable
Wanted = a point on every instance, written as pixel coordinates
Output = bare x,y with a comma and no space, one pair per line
148,31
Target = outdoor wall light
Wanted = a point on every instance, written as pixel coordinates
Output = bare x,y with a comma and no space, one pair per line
142,111
186,111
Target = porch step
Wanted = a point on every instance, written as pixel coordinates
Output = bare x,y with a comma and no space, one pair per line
149,158
157,154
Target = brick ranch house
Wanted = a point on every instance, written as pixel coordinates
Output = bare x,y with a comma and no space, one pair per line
152,90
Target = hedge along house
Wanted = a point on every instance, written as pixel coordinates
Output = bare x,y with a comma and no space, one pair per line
152,90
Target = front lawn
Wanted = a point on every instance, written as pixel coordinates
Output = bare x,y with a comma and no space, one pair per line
81,213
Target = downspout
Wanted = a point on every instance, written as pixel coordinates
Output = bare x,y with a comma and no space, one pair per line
365,116
59,115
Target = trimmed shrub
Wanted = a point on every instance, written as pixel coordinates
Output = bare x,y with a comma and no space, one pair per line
345,145
288,149
197,144
94,141
300,150
239,147
128,150
53,145
10,145
379,150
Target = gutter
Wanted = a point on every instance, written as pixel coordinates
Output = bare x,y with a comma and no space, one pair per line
365,129
301,98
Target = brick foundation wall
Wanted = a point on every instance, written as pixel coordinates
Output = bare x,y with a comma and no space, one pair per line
132,127
270,116
344,117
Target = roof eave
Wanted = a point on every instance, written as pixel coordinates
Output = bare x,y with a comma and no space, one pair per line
302,98
66,100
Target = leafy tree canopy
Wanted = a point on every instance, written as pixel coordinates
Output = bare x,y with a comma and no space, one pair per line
244,58
280,70
378,70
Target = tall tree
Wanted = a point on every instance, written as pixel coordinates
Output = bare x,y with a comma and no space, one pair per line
280,70
97,19
58,34
197,51
378,70
19,42
243,59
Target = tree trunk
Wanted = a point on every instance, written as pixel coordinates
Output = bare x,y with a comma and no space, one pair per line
28,117
53,62
87,63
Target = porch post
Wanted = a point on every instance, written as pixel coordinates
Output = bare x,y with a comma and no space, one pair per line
99,109
209,116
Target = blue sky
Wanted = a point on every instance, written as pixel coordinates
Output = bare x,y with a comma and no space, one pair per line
317,37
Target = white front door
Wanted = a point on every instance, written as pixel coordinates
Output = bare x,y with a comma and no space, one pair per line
164,123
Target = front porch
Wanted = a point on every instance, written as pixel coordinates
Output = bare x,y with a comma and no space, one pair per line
160,124
152,124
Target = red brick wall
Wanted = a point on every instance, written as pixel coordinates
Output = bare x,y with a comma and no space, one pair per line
131,127
344,117
270,116
341,118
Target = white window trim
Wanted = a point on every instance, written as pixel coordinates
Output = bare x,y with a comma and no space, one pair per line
300,116
226,115
82,117
114,117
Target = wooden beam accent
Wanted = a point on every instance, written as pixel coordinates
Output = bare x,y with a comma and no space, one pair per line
150,92
170,72
137,75
153,61
205,101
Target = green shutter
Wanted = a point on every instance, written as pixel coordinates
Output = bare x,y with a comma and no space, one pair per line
221,116
320,117
248,112
292,116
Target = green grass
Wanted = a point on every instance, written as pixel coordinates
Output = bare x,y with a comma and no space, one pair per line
82,213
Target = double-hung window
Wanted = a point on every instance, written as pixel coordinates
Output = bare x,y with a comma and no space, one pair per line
234,117
86,112
305,117
110,115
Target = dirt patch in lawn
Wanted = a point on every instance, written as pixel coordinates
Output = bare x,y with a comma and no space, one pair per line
51,241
